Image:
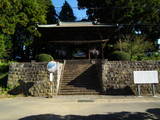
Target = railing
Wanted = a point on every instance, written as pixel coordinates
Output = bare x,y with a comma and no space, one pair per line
59,75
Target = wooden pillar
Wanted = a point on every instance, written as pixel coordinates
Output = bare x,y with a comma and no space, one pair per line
102,51
89,56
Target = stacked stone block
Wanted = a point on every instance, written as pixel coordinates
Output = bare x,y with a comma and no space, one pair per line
117,76
31,79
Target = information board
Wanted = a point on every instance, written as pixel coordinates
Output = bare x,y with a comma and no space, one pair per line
145,77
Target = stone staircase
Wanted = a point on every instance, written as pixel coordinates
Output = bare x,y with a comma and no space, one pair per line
80,77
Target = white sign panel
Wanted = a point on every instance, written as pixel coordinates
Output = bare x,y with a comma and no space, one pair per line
145,77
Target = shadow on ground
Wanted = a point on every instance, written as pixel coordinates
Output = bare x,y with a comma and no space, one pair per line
150,114
23,88
119,91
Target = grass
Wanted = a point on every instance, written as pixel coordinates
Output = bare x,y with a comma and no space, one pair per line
4,67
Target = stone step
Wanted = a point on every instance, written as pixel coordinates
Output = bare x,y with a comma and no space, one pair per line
87,91
79,93
80,89
76,78
78,62
80,65
75,70
73,74
77,86
79,76
73,87
73,79
70,76
83,89
77,83
80,85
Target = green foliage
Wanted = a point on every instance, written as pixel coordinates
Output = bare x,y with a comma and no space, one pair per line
17,22
2,47
4,68
134,46
66,13
122,11
153,56
119,55
44,58
4,88
5,46
131,12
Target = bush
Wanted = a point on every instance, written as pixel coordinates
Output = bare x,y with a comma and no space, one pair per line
154,56
119,55
133,46
44,58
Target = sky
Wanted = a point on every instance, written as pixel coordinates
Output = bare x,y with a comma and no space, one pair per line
80,14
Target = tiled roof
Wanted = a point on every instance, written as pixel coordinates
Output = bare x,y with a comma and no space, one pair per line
74,24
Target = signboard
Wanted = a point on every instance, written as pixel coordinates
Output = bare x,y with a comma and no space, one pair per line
145,77
52,66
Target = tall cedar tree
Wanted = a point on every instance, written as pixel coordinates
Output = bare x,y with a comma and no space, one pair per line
66,13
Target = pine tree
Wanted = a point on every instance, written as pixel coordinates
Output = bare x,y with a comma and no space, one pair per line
66,13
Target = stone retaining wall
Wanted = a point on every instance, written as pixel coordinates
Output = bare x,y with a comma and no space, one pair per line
31,79
117,76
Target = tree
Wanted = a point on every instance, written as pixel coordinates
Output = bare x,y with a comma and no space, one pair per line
8,20
133,46
2,47
122,11
144,13
66,13
51,12
18,18
128,15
